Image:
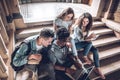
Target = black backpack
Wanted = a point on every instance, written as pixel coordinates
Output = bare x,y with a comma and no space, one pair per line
14,53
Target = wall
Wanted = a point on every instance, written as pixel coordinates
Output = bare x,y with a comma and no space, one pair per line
7,28
117,13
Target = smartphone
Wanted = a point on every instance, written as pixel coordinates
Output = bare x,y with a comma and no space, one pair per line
95,37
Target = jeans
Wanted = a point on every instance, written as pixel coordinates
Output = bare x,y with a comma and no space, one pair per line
46,71
87,46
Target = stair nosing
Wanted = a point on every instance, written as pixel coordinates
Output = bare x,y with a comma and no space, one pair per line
101,32
106,73
105,43
98,24
106,56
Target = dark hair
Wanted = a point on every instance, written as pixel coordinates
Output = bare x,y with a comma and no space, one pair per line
89,16
46,33
66,12
62,34
88,27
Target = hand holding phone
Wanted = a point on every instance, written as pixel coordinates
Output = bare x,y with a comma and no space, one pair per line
94,38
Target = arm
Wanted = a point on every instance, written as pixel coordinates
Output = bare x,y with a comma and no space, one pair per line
74,47
56,22
20,58
65,69
91,37
34,58
75,57
54,60
58,67
55,27
61,68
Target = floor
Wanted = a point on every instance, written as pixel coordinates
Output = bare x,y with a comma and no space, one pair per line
37,12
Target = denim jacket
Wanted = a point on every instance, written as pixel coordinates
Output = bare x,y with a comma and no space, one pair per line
77,34
21,57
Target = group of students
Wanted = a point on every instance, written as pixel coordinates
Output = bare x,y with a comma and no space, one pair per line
54,52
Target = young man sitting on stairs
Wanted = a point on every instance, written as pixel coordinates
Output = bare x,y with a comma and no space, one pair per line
34,59
62,58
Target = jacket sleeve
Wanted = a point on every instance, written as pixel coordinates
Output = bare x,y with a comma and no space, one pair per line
52,57
74,50
21,58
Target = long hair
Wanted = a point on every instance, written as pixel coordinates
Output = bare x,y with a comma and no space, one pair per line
66,12
89,16
88,27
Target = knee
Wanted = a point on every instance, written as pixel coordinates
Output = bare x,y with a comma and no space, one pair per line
94,49
90,43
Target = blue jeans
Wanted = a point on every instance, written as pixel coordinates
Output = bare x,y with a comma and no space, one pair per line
87,46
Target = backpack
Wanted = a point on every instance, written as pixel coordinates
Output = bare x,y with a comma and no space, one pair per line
14,53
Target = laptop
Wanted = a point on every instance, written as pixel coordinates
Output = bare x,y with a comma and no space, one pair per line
80,74
85,76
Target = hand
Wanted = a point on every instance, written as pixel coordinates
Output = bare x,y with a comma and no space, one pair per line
92,35
68,44
36,57
78,64
70,70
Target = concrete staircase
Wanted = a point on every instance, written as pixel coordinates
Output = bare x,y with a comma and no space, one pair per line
109,51
107,43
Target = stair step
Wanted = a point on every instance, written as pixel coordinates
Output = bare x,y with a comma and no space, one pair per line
107,69
96,19
98,24
105,47
24,33
102,31
44,23
113,76
105,41
50,22
108,53
33,27
107,64
105,36
100,27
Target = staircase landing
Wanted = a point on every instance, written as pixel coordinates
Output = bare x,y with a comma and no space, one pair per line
40,12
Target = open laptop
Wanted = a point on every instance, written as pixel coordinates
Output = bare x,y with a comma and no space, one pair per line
81,74
85,76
